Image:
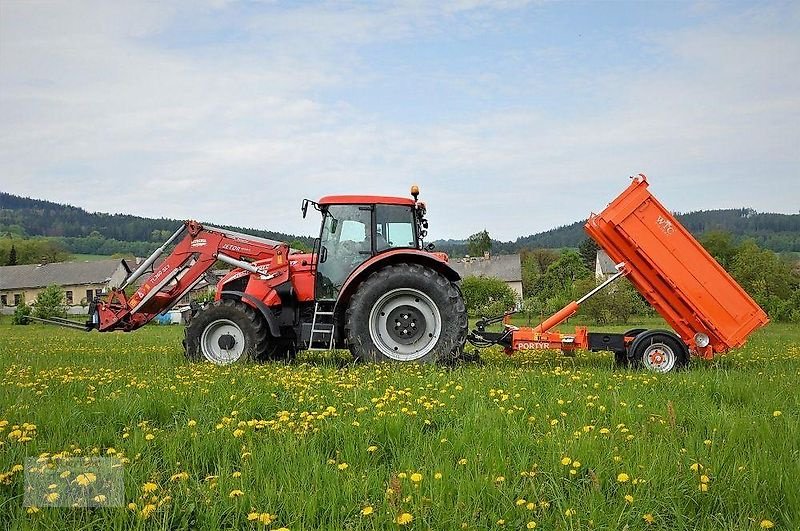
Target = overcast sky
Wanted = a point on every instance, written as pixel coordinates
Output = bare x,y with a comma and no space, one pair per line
512,116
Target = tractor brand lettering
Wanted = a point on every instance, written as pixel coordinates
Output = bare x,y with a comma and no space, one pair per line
532,345
236,248
666,225
199,242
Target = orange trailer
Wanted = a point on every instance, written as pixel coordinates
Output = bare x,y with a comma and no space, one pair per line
709,312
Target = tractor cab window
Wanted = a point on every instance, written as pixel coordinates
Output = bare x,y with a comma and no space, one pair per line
394,227
345,242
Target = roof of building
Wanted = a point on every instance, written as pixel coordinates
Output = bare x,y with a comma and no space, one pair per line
607,266
59,273
506,267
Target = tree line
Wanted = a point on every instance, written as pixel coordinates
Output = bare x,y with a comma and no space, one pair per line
551,279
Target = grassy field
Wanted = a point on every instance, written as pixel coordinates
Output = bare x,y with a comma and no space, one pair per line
534,441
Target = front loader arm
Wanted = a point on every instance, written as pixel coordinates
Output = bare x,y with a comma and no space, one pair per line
181,271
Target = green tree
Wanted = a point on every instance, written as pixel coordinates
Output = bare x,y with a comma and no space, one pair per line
479,243
50,303
12,255
588,251
21,313
485,296
613,305
721,246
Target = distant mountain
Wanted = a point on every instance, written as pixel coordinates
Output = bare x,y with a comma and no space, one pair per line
85,232
779,232
79,231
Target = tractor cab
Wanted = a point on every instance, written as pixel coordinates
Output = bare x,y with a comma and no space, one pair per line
357,227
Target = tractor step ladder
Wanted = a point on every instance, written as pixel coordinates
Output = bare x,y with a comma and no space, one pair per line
322,325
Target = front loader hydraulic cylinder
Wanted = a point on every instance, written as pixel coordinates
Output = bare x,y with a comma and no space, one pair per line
152,258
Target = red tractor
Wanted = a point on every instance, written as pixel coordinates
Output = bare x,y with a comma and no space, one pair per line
369,284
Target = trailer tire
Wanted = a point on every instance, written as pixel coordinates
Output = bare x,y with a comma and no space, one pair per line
224,332
406,312
658,351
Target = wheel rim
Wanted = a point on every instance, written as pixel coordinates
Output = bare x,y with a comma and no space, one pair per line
222,342
659,357
405,324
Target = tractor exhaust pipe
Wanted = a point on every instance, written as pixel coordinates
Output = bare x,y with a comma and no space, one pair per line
152,258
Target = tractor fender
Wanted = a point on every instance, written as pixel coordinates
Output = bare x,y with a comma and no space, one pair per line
272,322
435,261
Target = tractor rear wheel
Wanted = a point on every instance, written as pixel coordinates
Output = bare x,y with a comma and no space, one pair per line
406,312
658,351
224,332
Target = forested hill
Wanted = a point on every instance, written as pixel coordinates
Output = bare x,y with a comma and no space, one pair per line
779,232
80,231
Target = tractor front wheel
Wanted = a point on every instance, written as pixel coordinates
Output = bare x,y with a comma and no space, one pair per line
225,332
406,312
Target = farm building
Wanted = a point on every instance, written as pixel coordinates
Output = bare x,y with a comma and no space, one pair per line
81,281
604,266
506,267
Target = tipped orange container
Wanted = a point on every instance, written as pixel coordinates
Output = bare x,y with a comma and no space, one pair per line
675,274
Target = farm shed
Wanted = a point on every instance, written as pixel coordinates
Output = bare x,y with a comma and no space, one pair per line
506,267
81,281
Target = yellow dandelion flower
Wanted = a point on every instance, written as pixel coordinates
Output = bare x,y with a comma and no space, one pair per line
192,423
236,493
766,524
499,479
85,479
629,498
703,487
180,476
100,498
576,464
622,477
531,525
521,501
51,497
238,433
236,474
252,517
566,461
149,487
131,506
704,479
149,437
707,442
530,506
649,518
437,475
416,477
402,475
775,413
501,522
147,510
366,511
462,462
371,449
32,510
569,513
342,466
404,518
266,518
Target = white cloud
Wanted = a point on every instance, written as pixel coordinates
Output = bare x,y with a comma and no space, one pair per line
102,106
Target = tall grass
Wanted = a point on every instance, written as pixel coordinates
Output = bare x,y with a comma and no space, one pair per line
532,438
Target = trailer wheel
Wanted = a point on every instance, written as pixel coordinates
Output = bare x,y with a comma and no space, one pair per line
406,312
224,332
621,359
658,351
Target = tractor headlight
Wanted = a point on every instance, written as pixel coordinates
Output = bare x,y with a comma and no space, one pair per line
701,340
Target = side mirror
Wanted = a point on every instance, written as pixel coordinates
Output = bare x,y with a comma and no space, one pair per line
304,208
